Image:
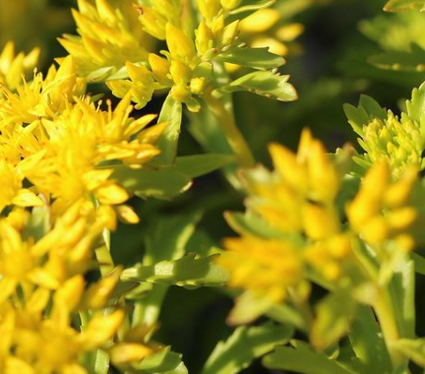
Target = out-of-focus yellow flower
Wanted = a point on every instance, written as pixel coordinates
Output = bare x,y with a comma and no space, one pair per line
308,176
11,189
14,66
109,37
384,210
297,200
262,29
265,267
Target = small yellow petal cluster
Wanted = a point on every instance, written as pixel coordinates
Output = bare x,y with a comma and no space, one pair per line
297,200
384,210
265,267
398,141
13,67
109,36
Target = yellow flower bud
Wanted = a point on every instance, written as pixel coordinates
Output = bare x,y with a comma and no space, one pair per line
209,8
153,23
260,21
123,353
181,93
179,44
230,33
197,85
320,223
160,69
217,25
204,38
180,72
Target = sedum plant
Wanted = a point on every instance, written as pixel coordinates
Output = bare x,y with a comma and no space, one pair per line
322,263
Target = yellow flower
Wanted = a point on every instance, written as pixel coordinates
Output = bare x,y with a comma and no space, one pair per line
265,267
11,189
43,97
76,147
384,210
109,37
14,67
262,29
298,201
298,179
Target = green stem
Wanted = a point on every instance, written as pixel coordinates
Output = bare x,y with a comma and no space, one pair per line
234,136
385,315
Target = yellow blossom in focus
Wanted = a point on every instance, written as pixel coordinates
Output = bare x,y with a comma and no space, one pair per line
109,37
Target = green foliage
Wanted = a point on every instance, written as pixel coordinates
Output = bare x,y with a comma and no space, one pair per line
400,5
243,346
303,359
264,83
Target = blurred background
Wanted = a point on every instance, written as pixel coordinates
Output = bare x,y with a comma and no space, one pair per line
328,46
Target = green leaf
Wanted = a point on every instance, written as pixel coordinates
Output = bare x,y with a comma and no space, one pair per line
402,5
251,224
163,362
419,263
412,61
286,314
263,83
190,271
169,237
303,360
402,290
243,346
333,315
258,58
195,166
367,110
248,307
416,106
414,349
38,223
163,183
172,113
252,6
166,241
367,342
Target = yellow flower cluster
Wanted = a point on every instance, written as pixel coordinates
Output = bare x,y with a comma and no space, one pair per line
384,210
111,35
298,201
42,286
62,143
187,64
306,229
